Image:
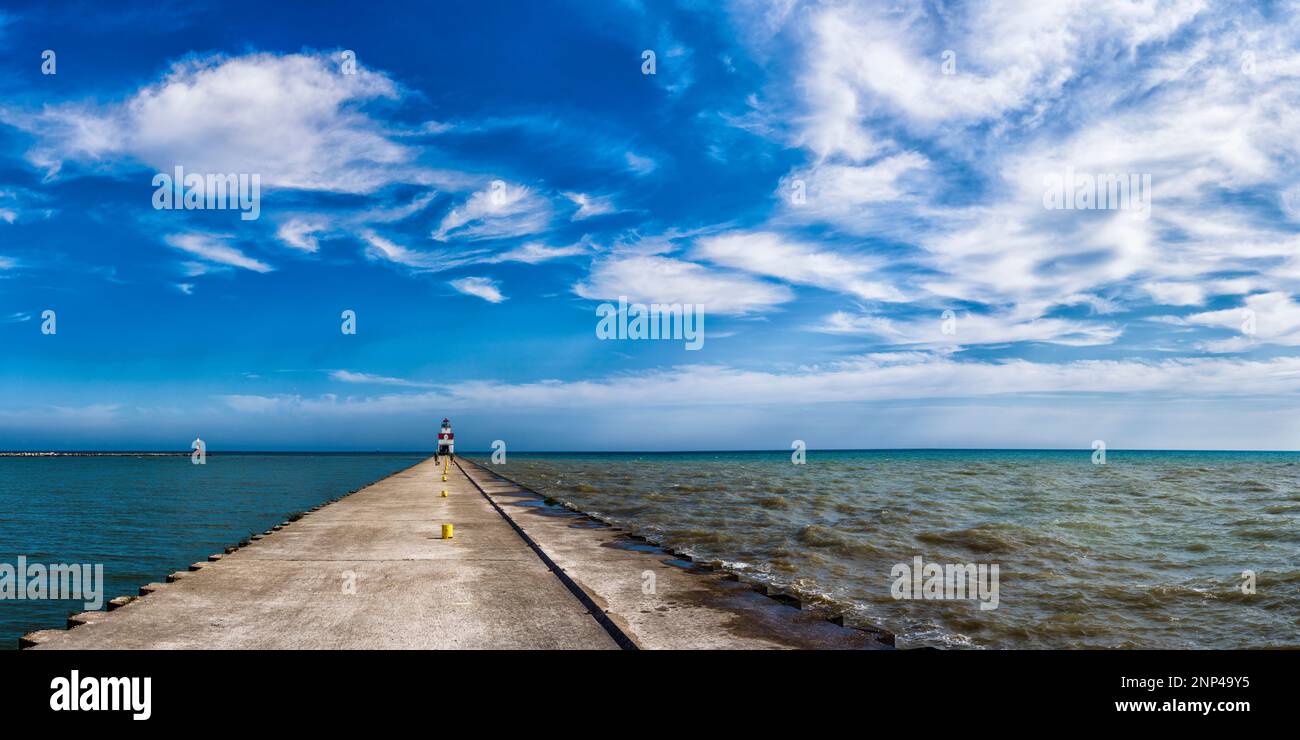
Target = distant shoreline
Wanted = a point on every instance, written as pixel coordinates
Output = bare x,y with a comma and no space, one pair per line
189,453
92,454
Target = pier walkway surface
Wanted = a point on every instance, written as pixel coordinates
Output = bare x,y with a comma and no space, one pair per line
368,571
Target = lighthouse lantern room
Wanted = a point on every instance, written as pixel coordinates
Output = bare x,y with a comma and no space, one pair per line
446,439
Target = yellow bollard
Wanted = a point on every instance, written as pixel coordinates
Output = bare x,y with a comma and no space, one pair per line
446,531
444,477
444,493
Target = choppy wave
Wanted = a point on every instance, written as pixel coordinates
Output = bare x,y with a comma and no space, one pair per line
1146,551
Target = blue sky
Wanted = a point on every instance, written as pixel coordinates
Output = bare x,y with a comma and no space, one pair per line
826,179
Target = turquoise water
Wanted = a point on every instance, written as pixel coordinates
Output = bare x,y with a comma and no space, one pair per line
144,517
1147,550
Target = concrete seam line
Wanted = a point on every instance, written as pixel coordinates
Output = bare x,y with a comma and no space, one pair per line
619,636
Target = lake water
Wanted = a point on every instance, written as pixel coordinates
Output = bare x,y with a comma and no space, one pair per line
144,517
1147,550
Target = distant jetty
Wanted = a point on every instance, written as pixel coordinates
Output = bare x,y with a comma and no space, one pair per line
95,454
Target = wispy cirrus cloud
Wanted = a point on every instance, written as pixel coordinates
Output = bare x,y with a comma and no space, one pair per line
18,203
875,377
479,287
590,206
498,211
965,329
300,233
793,261
656,279
533,253
216,249
384,249
937,130
349,376
870,63
639,165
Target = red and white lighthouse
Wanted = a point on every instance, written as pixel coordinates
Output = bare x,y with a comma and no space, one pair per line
446,439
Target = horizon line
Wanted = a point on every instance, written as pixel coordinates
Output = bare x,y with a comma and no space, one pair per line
33,452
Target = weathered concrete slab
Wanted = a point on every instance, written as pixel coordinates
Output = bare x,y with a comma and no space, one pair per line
370,571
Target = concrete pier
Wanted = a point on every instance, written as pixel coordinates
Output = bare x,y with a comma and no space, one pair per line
369,571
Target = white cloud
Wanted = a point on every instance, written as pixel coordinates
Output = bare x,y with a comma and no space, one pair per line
1176,294
971,329
640,165
902,376
590,205
253,404
772,255
348,376
19,203
215,249
481,287
655,279
393,214
1274,318
380,248
498,211
864,199
300,233
186,288
293,119
533,253
1112,88
869,60
850,185
1015,251
878,377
